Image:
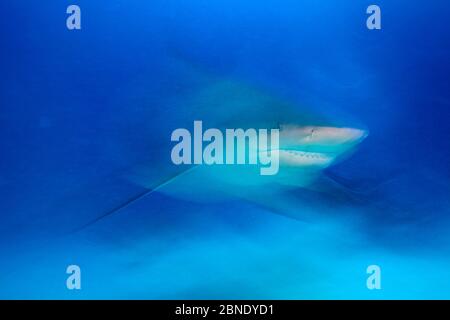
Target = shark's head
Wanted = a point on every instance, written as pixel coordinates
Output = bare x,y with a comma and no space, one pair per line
316,146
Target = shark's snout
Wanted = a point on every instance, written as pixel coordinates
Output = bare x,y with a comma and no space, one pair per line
318,146
302,136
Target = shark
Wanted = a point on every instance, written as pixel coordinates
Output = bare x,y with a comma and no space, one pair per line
309,143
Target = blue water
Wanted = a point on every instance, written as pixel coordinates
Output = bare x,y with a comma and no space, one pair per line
79,108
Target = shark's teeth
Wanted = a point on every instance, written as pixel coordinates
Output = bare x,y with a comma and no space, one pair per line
313,155
303,158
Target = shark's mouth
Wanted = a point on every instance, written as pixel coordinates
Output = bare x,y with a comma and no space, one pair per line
315,146
292,157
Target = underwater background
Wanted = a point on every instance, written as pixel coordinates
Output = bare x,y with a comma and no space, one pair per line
80,108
